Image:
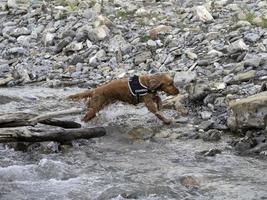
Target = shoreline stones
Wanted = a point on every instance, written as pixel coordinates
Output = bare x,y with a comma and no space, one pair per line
217,51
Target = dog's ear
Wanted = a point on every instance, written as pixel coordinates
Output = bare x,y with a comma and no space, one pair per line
154,84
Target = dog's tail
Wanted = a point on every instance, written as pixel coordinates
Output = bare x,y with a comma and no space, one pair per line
81,95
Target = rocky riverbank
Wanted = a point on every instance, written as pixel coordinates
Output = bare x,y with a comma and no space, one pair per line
216,50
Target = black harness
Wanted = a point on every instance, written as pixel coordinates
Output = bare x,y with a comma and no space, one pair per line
137,89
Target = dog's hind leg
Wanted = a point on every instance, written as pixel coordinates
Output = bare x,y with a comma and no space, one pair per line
95,104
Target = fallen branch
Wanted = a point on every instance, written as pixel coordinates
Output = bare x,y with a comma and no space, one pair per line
42,135
56,114
23,119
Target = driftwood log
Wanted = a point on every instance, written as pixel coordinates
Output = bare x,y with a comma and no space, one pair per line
41,135
28,119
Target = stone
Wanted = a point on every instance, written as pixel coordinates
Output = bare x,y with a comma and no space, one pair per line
252,37
151,43
211,152
250,112
205,125
203,14
191,55
211,135
24,40
161,29
237,46
246,76
99,33
184,77
142,57
253,61
205,114
74,46
118,43
198,91
4,68
190,182
18,4
20,31
48,39
63,43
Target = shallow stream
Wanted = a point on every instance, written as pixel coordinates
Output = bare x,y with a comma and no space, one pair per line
118,166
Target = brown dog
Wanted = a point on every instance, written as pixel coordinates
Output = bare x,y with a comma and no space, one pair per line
119,90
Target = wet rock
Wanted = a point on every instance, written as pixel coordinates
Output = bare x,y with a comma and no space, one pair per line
190,182
205,125
205,114
142,57
140,133
211,135
7,99
211,152
163,134
203,14
250,112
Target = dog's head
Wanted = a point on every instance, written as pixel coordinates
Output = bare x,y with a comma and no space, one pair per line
163,82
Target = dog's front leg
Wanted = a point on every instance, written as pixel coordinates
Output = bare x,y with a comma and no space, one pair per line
158,102
152,106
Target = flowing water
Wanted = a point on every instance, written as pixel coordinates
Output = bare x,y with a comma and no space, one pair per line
118,166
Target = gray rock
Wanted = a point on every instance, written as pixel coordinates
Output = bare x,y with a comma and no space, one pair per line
20,31
211,135
142,57
203,14
74,46
198,91
205,125
246,76
211,152
184,77
18,51
252,62
205,114
250,112
4,68
99,33
237,46
252,37
18,4
119,43
151,44
63,43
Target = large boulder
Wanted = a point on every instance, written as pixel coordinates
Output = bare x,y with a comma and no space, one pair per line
248,113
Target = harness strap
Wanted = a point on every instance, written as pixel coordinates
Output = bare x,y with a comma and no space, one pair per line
137,89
